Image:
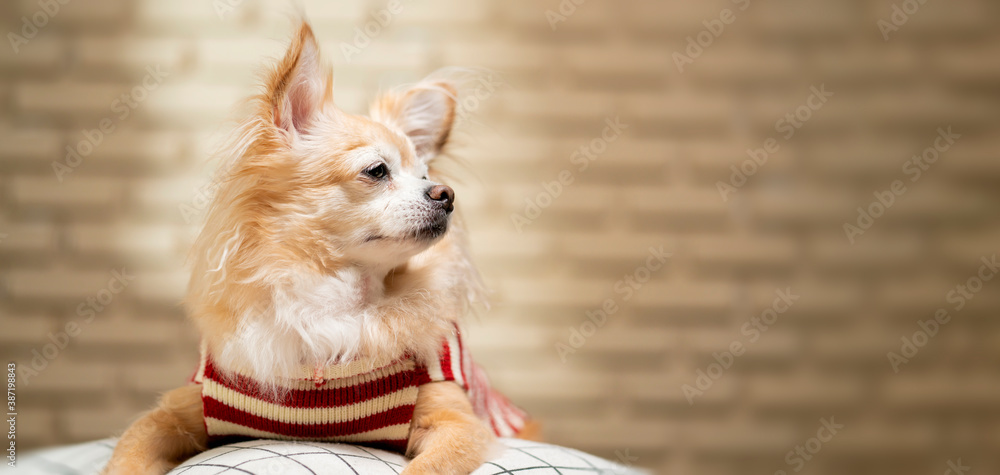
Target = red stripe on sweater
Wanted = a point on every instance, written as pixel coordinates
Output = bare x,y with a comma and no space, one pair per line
395,445
396,415
314,398
446,361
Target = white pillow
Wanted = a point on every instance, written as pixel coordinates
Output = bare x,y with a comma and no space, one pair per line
266,457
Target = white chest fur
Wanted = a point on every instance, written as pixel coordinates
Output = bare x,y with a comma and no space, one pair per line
315,320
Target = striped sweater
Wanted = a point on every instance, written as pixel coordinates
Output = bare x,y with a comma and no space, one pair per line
367,402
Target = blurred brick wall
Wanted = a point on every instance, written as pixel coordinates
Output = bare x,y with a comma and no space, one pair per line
616,389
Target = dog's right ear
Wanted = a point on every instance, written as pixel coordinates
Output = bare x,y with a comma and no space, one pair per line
298,86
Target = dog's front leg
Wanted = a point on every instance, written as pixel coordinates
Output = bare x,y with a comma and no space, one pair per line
446,437
163,437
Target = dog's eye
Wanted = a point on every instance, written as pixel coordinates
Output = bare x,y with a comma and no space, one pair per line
378,172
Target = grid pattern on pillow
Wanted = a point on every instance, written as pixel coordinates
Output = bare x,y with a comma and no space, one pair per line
264,457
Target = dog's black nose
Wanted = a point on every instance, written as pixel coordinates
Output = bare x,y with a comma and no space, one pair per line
444,195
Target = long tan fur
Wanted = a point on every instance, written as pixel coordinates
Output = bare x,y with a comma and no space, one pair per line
285,231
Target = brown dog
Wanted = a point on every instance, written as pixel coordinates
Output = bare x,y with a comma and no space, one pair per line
328,284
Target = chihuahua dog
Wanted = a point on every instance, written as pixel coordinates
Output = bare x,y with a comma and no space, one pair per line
328,285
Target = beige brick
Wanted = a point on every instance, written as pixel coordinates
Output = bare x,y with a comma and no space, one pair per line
661,387
58,284
128,148
75,191
132,53
686,108
437,12
161,286
35,145
867,251
740,438
863,156
619,60
186,102
70,97
109,330
510,244
89,424
321,11
815,296
808,17
26,329
594,432
966,64
71,13
917,291
522,292
42,52
677,203
552,383
631,249
803,205
859,344
965,15
548,104
163,376
157,242
805,391
893,60
517,152
869,436
686,294
243,53
64,374
745,251
187,13
731,62
381,53
941,389
615,338
723,391
971,156
505,55
166,195
672,19
927,201
968,248
27,238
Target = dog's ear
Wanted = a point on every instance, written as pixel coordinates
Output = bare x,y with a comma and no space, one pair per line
298,85
425,113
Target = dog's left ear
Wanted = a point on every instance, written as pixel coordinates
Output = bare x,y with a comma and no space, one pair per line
299,84
425,113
